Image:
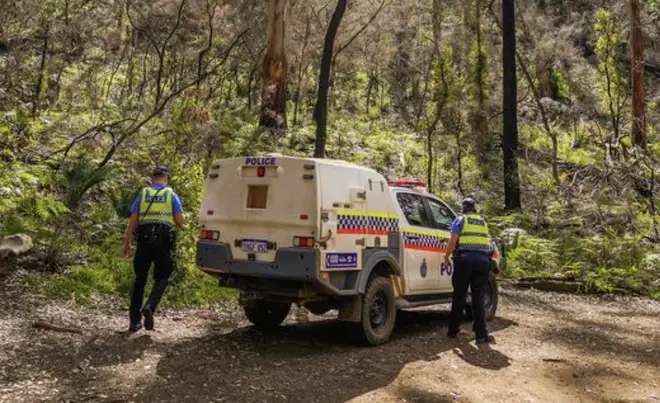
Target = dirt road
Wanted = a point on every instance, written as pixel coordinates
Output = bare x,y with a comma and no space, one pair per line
550,348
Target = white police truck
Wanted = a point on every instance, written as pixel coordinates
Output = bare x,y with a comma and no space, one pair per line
327,235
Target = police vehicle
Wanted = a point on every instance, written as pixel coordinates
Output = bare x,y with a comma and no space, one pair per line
327,235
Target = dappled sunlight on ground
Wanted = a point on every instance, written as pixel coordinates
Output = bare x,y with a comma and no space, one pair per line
548,347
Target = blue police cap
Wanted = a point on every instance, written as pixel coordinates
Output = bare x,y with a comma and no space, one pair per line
469,204
160,171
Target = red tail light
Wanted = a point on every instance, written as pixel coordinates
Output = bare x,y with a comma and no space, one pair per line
304,242
210,235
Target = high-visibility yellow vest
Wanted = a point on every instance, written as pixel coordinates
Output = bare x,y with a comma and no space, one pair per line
161,210
474,235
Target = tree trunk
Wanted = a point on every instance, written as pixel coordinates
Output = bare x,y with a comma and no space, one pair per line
42,67
459,162
211,8
302,67
441,93
637,61
273,94
400,67
370,86
510,104
321,110
480,116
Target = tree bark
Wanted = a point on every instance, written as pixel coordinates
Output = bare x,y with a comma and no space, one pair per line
442,91
42,67
480,115
637,64
510,108
302,67
211,7
321,110
273,94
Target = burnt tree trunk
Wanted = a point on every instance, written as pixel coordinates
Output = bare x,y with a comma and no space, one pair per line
273,94
637,64
321,109
42,67
510,106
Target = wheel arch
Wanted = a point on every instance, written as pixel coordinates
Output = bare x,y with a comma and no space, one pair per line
381,263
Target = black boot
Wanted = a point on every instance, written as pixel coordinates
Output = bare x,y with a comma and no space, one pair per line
148,315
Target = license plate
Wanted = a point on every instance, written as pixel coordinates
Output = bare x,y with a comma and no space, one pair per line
254,246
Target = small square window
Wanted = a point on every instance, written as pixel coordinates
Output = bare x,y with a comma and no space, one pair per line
257,196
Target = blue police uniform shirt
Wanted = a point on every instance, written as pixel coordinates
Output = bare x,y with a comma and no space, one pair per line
176,203
456,228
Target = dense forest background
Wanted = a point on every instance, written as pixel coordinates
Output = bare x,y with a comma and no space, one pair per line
95,93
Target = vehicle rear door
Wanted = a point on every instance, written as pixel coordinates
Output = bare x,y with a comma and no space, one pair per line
260,204
342,216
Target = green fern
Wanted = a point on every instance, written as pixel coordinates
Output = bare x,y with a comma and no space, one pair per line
80,176
47,208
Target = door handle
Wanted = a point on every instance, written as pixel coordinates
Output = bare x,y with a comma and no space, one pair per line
325,238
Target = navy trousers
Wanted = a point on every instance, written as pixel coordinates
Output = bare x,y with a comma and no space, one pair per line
470,269
161,257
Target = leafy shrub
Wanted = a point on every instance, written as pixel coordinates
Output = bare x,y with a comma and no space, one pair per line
533,256
109,275
603,263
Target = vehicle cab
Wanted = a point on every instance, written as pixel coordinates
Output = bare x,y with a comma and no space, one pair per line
425,221
425,224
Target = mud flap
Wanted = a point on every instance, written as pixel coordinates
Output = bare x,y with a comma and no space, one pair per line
249,298
350,309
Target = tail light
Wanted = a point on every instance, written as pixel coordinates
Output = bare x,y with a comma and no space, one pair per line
210,235
304,242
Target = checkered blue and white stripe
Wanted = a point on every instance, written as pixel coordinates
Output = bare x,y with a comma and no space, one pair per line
383,223
367,223
159,213
424,240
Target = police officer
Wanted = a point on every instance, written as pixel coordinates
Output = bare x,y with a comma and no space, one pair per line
470,246
154,214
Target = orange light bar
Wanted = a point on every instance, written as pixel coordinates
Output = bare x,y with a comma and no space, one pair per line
406,184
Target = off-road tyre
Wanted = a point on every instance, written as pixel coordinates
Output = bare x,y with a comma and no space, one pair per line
266,314
491,299
378,312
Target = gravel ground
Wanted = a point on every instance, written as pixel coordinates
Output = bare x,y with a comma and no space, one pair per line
549,347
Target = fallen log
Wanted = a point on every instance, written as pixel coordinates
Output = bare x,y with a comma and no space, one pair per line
566,285
49,326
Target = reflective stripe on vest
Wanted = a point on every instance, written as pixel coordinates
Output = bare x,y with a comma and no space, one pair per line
474,234
161,211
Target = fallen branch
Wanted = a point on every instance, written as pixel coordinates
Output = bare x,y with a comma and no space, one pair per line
554,360
49,326
567,285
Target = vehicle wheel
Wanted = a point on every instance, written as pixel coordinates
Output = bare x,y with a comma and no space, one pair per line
490,301
266,313
378,312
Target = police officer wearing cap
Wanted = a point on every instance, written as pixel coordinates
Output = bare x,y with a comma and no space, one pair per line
470,246
154,214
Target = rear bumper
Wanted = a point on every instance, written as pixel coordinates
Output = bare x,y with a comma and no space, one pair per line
297,264
292,270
